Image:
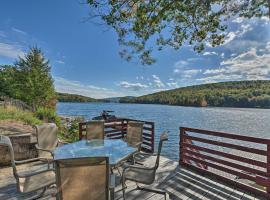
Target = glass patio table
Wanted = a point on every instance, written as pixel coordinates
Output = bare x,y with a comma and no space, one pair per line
116,149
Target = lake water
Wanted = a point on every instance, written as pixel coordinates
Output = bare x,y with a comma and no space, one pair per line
253,122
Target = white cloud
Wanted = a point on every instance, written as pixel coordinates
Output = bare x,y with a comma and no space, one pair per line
229,37
238,20
240,32
173,84
210,53
76,87
181,64
132,86
219,77
190,73
19,31
157,82
222,55
60,61
248,65
214,71
11,50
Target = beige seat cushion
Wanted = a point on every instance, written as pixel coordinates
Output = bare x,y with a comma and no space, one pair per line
36,182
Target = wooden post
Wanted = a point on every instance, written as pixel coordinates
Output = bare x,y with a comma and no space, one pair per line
182,135
122,128
153,138
268,167
80,131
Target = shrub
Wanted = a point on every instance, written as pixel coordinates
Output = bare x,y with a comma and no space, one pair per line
69,130
48,115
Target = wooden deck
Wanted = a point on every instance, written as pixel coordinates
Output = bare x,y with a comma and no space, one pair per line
180,183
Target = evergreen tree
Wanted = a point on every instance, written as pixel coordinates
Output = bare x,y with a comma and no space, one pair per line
35,84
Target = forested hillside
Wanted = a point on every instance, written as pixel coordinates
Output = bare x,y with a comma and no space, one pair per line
64,97
226,94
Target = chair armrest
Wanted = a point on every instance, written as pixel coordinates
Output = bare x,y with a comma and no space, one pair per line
61,141
41,149
145,154
138,145
31,160
112,181
137,167
34,173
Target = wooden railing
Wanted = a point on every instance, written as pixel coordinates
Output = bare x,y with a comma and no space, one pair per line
117,128
221,154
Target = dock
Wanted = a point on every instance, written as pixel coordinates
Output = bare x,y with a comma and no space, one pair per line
180,183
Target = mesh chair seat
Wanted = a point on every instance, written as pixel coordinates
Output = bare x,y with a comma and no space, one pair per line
142,175
35,182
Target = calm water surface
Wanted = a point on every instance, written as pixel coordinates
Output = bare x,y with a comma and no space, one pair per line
254,122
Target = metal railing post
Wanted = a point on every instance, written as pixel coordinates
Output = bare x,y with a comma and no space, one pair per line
268,167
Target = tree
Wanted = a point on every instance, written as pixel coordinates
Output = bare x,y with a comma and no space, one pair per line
171,22
8,75
35,84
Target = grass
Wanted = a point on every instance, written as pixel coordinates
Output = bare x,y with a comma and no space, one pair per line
12,113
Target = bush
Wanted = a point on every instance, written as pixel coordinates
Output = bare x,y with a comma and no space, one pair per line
48,115
69,130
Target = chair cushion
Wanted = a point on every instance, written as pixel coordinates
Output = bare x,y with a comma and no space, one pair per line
35,182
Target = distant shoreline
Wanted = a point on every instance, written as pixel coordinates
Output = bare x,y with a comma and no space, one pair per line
100,102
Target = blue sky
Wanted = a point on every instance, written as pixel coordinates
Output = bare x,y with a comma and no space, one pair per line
85,60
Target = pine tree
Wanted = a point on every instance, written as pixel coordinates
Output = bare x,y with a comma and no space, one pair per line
35,84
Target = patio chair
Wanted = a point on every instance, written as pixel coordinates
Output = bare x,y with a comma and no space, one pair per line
134,134
47,140
84,178
29,182
134,137
142,174
95,130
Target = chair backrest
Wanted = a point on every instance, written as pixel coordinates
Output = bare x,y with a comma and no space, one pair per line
5,141
83,178
46,137
134,133
95,130
163,137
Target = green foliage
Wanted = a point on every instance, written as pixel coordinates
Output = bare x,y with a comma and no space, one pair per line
47,115
64,97
29,80
8,81
171,23
69,131
12,113
34,81
228,94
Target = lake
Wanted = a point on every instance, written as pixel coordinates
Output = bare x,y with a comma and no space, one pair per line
253,122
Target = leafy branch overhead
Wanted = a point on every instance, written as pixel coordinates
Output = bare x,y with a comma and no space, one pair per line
171,23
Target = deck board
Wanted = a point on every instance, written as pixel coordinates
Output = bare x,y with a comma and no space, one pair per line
179,183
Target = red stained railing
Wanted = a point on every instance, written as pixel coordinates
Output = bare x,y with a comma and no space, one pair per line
221,154
117,128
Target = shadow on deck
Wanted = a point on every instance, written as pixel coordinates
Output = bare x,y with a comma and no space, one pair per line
180,183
